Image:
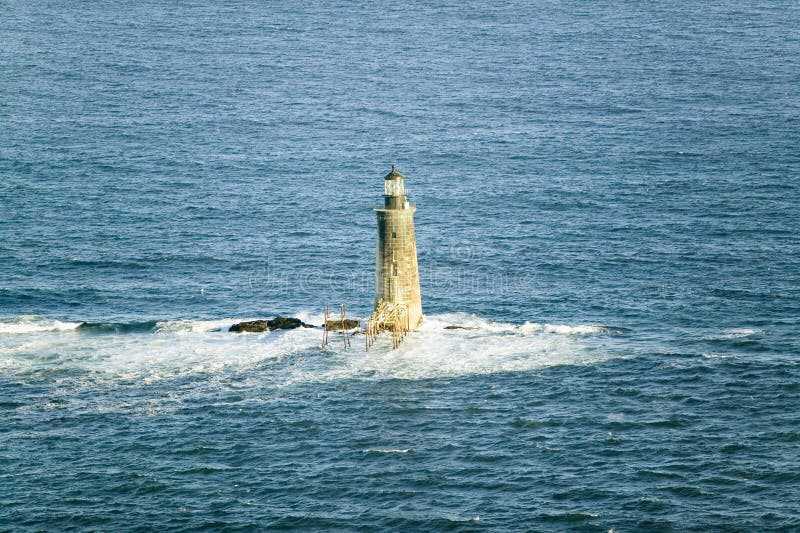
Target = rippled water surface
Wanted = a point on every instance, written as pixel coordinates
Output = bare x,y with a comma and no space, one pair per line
607,202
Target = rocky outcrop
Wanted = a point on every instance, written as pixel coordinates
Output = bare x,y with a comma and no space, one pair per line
279,322
255,326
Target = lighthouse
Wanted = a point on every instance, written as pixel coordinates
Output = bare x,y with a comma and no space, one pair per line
398,303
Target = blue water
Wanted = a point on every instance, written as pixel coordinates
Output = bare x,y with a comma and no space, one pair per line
608,198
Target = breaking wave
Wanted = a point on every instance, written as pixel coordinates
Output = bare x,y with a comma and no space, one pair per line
34,324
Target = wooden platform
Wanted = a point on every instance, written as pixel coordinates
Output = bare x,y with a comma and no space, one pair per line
339,324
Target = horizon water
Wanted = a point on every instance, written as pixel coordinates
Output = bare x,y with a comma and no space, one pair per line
607,206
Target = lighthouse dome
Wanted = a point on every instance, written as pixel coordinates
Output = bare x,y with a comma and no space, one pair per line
393,175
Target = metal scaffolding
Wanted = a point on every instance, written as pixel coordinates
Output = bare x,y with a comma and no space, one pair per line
391,317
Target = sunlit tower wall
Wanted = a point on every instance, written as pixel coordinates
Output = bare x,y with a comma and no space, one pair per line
396,269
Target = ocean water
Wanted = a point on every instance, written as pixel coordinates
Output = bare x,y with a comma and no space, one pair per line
608,203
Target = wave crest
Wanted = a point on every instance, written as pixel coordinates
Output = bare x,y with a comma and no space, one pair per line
34,324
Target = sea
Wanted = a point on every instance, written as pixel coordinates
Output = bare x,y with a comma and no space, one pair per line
608,229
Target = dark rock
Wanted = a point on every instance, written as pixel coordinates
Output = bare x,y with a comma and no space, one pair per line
255,326
279,322
458,327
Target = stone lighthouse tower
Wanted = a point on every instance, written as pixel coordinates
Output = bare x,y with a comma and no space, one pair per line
398,303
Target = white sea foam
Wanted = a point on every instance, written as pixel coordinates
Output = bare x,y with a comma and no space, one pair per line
173,348
733,333
462,320
197,326
481,347
709,355
574,330
740,333
385,450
